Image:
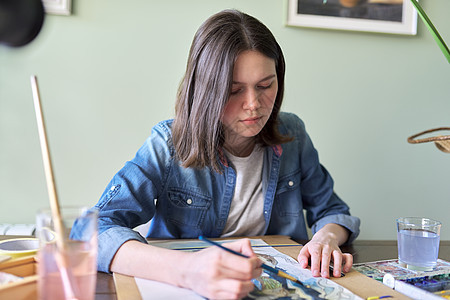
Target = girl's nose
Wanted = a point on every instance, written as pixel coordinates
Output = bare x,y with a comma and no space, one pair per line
251,100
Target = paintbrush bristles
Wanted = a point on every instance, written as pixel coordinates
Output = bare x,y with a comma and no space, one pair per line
293,279
282,274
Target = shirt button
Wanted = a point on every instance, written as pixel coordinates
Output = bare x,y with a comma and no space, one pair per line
291,183
189,201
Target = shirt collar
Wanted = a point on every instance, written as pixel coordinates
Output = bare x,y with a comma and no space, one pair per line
277,149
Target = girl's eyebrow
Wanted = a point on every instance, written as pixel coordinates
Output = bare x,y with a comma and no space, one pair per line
264,79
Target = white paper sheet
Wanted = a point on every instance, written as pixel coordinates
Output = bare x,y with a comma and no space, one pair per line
267,286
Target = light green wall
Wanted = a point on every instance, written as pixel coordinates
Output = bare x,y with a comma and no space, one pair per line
110,71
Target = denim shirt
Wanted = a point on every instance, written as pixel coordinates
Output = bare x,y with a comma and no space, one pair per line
188,202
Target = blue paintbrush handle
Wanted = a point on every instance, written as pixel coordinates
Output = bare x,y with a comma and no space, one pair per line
306,287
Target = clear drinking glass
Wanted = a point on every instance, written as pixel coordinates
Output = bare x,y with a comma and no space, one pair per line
72,272
418,242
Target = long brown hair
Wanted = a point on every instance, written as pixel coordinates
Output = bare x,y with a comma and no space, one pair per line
197,129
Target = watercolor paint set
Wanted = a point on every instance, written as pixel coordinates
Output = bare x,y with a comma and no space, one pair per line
433,284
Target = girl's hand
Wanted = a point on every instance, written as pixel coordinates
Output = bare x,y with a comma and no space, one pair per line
323,249
218,274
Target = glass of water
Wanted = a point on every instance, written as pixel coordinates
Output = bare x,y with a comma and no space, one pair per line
418,242
72,273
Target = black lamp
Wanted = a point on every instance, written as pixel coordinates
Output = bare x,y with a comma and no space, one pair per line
20,21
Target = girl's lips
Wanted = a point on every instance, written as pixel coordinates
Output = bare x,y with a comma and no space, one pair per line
251,120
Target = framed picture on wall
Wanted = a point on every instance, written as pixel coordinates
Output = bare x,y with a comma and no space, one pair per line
385,16
57,7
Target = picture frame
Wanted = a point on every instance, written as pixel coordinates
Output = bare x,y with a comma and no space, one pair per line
58,7
381,16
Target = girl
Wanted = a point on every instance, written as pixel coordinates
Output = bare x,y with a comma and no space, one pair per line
229,164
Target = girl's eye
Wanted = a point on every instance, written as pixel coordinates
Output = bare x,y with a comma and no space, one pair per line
265,86
236,91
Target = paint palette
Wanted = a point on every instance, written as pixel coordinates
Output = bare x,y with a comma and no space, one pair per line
416,284
433,284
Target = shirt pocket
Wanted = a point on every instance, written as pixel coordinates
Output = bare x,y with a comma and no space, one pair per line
187,208
288,198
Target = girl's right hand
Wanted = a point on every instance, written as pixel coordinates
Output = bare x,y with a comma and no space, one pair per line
218,274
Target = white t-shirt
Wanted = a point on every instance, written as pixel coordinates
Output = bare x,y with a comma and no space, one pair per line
246,216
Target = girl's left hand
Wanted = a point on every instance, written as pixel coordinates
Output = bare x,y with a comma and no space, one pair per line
323,249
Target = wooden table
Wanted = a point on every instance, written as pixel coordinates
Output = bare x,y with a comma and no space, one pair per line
362,251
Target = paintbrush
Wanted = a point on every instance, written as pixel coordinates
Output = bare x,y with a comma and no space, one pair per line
306,287
61,258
